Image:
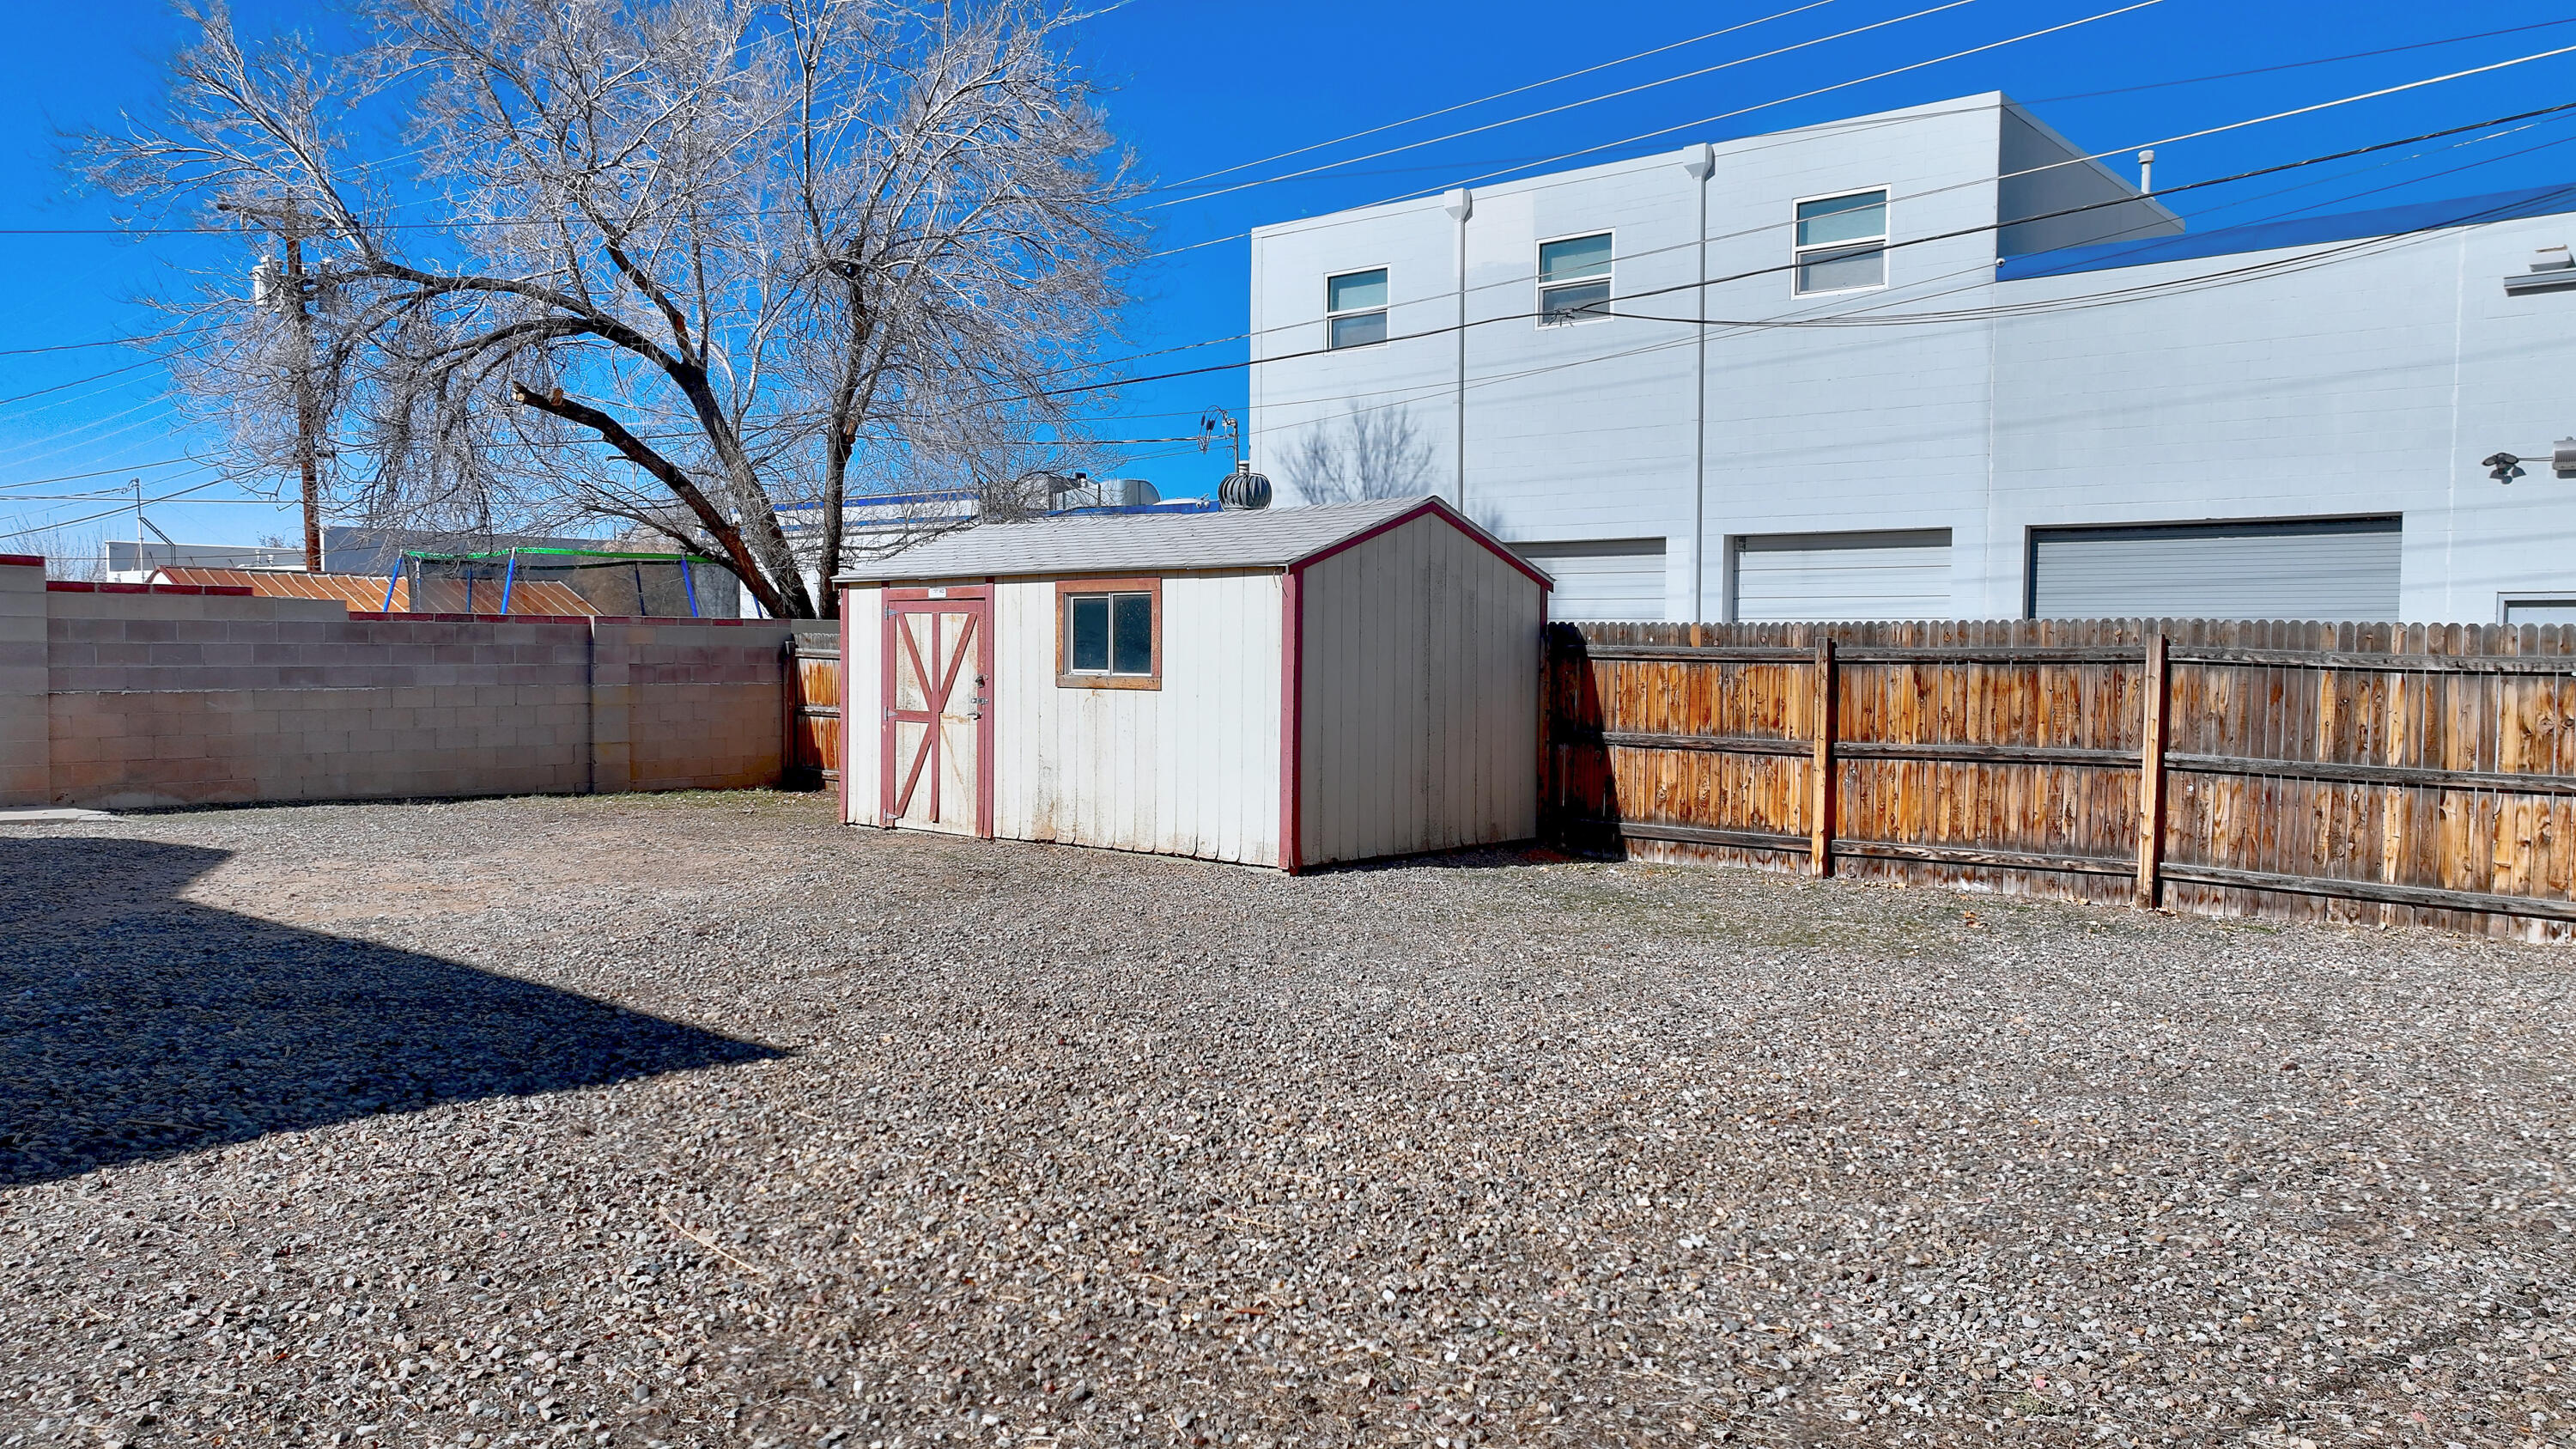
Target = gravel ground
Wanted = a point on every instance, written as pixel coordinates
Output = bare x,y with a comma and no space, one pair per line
699,1120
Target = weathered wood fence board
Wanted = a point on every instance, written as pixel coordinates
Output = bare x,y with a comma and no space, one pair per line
811,711
2351,772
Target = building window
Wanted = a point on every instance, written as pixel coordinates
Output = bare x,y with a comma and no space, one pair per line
1574,279
1842,243
2557,609
1355,309
1109,634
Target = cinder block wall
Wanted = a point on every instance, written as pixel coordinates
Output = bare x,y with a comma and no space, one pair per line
126,697
25,771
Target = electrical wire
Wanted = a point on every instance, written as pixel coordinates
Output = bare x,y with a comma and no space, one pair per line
110,341
1487,99
76,382
2300,64
2354,99
129,506
99,473
1723,115
1577,105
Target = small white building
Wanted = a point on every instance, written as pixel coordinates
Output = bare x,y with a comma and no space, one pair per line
1285,688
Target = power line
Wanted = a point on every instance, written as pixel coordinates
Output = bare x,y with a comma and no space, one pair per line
100,473
2300,64
2097,155
49,526
1485,99
1577,105
1724,115
76,382
109,341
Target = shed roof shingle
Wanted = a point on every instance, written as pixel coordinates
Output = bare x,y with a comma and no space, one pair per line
1137,542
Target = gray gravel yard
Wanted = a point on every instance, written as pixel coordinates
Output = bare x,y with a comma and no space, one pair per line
692,1120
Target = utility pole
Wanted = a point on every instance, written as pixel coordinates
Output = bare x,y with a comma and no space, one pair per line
292,299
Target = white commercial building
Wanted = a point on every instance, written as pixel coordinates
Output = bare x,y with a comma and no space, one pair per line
1938,363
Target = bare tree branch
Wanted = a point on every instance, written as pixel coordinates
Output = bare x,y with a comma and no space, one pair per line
773,254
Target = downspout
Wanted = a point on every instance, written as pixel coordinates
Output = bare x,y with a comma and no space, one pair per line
1461,204
1700,163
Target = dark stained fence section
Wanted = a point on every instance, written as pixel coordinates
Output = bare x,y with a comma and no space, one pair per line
812,710
2348,772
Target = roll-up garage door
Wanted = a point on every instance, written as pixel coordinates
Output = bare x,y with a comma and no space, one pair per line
1602,580
1901,574
2302,568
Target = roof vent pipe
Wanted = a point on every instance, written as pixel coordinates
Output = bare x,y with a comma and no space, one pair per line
2146,173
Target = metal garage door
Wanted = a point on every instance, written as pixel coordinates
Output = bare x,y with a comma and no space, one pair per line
2303,568
1887,575
1602,580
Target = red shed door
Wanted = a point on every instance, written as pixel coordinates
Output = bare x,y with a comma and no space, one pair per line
938,724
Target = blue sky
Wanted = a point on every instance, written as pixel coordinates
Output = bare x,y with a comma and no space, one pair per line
1196,88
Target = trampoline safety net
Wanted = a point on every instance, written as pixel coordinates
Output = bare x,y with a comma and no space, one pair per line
563,581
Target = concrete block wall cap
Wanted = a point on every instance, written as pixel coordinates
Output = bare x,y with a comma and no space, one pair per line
403,618
79,586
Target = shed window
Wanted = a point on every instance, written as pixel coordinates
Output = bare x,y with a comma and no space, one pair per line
1109,634
1355,309
1574,279
1842,243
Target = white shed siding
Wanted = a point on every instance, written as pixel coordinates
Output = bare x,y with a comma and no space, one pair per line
1188,769
862,710
1420,675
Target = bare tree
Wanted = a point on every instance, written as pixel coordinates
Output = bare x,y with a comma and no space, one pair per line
1374,452
710,267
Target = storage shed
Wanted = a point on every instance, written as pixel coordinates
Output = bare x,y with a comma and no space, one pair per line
1285,688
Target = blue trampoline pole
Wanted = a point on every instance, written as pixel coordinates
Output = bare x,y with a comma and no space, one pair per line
399,561
689,584
509,579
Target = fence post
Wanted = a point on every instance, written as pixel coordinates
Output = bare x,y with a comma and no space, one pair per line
2151,777
1545,818
1820,849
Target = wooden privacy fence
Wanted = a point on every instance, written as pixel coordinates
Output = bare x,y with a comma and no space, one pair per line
810,712
2351,772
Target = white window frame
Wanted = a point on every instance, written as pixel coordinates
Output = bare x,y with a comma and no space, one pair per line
1887,231
1387,308
1609,305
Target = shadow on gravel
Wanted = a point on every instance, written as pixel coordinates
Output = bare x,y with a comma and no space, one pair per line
136,1025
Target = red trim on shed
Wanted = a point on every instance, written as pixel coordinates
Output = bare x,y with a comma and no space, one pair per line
1292,712
842,677
23,560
